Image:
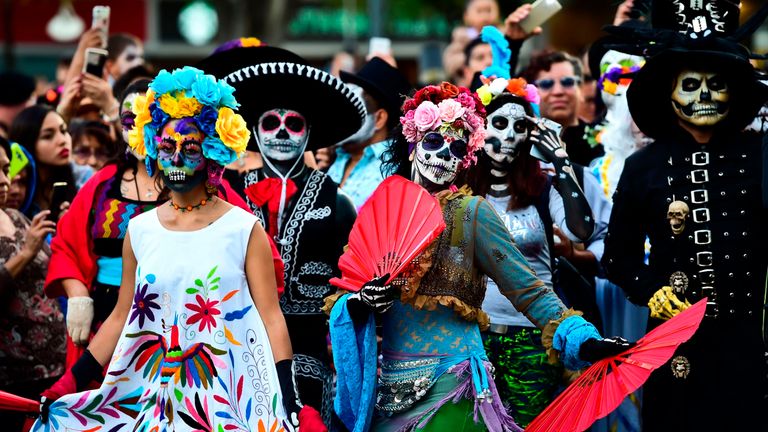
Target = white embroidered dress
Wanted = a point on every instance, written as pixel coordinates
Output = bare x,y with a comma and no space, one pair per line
194,353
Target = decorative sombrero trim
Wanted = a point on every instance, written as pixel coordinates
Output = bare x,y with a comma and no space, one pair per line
300,70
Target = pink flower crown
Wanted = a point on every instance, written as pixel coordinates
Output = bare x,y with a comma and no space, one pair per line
438,108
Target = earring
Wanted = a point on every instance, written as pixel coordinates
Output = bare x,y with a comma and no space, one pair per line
410,157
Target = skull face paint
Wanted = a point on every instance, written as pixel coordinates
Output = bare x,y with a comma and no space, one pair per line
507,131
180,155
676,215
701,98
438,155
127,119
283,134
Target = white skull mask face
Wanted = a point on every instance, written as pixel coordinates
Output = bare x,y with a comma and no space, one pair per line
760,123
701,98
438,155
283,134
507,131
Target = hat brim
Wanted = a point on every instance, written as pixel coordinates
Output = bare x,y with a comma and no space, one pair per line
333,111
649,95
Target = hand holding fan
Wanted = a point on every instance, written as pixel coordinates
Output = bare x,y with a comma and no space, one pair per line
602,387
394,226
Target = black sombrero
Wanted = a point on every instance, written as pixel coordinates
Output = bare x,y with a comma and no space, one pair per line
266,77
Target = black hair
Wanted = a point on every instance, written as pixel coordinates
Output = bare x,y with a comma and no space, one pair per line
129,77
474,43
98,131
5,145
543,61
25,130
395,158
118,42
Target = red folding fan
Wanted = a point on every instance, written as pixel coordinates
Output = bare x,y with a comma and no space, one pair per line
602,387
394,226
11,402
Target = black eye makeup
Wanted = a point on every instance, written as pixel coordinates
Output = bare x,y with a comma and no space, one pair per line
270,122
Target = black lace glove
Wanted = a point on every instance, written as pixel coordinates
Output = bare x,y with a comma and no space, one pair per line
291,402
375,296
593,350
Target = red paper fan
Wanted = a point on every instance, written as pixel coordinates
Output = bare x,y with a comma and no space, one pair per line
395,225
602,387
11,402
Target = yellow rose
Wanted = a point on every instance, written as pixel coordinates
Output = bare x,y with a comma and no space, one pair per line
189,107
485,95
141,109
232,130
136,141
169,105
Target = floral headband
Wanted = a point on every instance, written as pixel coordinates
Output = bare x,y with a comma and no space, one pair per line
188,92
441,108
516,86
616,76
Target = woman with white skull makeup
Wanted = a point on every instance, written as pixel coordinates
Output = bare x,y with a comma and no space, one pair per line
695,193
292,108
435,373
528,201
174,350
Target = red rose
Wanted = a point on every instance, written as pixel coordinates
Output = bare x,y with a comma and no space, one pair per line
449,90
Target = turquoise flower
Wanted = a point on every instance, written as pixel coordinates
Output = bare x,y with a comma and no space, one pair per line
163,83
206,91
149,141
215,150
227,99
186,76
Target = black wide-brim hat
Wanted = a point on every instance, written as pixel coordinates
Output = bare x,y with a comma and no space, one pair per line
649,95
267,77
383,82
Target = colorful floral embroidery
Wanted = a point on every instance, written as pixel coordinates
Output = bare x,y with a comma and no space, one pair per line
143,303
205,312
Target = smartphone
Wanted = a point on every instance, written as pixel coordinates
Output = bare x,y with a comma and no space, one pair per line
58,196
19,161
541,11
550,124
379,45
94,61
100,21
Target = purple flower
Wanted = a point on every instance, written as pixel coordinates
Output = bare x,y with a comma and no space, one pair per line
143,304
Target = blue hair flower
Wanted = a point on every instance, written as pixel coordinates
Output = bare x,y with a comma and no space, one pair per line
159,117
163,83
206,91
500,50
206,120
150,144
215,150
186,76
227,98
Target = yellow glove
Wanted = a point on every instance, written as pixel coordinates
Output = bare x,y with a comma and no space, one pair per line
664,304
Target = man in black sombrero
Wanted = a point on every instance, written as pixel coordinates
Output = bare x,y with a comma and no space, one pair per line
696,194
291,108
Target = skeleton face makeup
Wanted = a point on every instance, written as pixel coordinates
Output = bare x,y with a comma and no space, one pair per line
180,155
507,130
283,134
701,98
438,155
760,123
127,118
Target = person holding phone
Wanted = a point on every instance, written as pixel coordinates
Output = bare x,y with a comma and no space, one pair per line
32,332
45,135
529,201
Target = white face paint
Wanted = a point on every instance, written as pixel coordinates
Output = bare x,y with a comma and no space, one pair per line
615,59
701,98
367,130
507,131
283,134
438,156
760,123
127,119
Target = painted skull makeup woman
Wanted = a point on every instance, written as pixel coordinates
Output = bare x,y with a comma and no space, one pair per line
529,202
435,373
696,194
293,108
197,325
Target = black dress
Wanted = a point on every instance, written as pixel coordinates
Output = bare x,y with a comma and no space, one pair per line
717,380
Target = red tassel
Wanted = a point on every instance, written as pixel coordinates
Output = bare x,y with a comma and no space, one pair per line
267,192
310,421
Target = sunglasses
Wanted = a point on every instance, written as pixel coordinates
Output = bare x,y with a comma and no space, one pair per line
83,153
434,141
547,84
